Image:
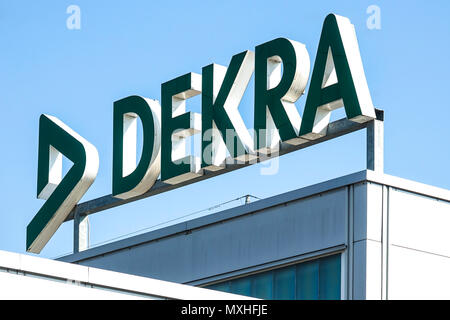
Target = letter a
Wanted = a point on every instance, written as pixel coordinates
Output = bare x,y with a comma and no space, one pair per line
338,80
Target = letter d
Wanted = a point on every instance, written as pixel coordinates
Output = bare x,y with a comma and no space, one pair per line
129,179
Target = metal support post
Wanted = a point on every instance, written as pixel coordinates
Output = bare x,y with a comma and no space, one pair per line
80,232
375,146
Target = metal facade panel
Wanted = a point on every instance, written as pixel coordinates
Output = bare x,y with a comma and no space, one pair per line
419,222
417,275
368,210
367,264
279,232
219,217
418,253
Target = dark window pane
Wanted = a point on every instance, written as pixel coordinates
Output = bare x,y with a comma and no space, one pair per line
284,283
330,278
241,286
262,285
308,280
317,279
224,286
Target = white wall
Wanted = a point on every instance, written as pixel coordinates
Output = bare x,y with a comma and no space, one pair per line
18,287
28,277
419,247
401,243
367,241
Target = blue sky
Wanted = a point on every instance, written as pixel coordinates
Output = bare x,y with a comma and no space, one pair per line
131,47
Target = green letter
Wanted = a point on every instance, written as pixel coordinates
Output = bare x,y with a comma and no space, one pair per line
62,195
222,91
275,94
177,125
130,180
338,80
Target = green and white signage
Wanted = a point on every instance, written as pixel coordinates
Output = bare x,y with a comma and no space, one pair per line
281,68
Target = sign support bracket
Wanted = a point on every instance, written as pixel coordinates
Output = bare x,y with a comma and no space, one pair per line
374,162
375,146
80,231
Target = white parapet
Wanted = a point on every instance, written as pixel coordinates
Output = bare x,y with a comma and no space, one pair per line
28,277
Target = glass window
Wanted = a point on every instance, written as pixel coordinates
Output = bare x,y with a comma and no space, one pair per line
284,283
311,280
262,285
308,280
223,286
242,286
330,278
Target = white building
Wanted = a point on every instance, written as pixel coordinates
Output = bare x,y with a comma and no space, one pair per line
367,235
